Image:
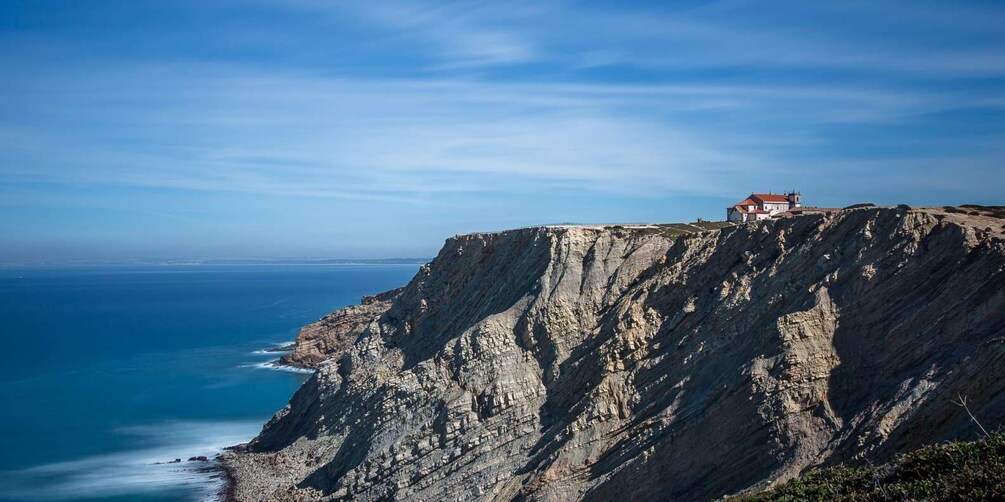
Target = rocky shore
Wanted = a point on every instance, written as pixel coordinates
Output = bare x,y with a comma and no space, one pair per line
594,363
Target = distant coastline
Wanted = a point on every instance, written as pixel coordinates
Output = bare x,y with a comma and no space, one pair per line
215,262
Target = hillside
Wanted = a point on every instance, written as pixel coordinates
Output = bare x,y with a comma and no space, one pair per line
950,471
602,362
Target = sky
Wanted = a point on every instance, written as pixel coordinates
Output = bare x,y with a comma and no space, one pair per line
341,129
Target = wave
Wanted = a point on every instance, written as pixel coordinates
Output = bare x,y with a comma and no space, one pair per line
145,471
279,347
275,365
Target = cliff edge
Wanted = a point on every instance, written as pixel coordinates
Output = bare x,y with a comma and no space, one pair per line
596,363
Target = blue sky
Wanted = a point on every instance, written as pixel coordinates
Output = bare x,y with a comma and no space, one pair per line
309,128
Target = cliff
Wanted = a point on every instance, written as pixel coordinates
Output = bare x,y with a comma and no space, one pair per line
333,334
596,363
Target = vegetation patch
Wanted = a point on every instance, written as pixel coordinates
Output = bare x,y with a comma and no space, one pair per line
713,225
670,229
977,209
950,471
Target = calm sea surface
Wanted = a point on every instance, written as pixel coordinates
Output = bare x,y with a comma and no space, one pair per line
104,372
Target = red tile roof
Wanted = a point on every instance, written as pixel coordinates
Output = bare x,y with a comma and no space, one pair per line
742,209
770,197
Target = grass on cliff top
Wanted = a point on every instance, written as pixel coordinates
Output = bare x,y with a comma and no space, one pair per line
673,229
950,471
713,225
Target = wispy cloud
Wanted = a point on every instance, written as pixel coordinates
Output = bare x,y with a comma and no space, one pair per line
238,130
431,110
920,38
455,34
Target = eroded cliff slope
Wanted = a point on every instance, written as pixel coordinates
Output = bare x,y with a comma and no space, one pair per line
599,363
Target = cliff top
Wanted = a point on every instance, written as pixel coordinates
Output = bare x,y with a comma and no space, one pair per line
987,218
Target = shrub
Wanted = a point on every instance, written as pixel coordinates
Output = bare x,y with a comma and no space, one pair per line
949,471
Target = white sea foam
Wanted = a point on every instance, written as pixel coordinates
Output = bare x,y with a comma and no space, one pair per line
140,471
274,365
274,349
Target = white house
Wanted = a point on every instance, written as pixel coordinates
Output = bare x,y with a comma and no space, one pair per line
761,206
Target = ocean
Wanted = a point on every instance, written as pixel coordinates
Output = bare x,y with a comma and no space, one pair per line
108,374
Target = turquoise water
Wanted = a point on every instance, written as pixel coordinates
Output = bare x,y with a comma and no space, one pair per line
105,372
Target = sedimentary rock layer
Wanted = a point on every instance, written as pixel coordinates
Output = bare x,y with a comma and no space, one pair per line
562,363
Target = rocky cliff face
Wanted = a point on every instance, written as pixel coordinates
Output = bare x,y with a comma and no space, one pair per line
333,334
600,363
